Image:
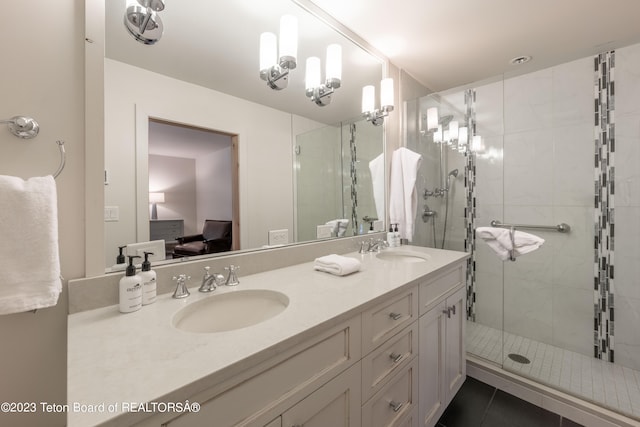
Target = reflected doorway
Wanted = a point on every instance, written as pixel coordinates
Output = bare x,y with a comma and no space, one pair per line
193,173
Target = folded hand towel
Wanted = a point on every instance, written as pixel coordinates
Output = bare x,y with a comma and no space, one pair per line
499,239
337,264
29,257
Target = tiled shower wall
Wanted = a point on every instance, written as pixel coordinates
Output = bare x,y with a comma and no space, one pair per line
627,213
542,123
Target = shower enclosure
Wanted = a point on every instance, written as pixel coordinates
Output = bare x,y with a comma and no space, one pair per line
558,315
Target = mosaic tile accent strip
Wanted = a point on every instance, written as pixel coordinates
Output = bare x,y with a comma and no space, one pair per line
354,178
604,201
470,208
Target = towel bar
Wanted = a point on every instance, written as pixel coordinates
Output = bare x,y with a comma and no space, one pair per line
560,228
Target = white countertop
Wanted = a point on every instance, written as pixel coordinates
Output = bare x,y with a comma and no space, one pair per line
140,357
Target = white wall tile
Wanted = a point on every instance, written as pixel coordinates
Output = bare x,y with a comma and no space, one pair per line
528,168
627,159
528,102
627,333
573,319
573,93
627,253
573,159
627,80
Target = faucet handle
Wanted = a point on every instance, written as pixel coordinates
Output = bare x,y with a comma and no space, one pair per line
232,278
181,288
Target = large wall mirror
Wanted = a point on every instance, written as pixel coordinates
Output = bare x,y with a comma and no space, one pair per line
193,134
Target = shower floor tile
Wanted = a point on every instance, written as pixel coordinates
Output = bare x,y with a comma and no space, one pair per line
594,380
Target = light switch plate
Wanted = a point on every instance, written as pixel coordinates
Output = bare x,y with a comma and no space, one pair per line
111,213
278,237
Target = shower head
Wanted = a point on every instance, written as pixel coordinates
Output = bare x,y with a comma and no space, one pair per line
453,173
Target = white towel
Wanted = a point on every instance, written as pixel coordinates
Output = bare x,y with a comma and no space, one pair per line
29,257
336,264
339,226
403,195
499,239
376,167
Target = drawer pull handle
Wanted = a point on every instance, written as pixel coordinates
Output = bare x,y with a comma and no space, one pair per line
396,406
447,312
395,357
395,316
453,309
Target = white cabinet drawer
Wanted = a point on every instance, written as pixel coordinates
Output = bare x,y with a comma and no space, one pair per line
300,371
389,358
434,290
392,404
386,319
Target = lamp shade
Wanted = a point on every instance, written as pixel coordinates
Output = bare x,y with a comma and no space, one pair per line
312,75
334,62
368,99
268,51
432,118
386,92
289,37
156,197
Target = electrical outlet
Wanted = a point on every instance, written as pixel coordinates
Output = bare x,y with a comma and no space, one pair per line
324,231
278,237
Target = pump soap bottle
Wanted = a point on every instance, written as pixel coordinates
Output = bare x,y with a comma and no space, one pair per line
130,289
396,236
148,277
121,263
391,239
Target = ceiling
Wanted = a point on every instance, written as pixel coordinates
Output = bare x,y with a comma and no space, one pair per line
449,43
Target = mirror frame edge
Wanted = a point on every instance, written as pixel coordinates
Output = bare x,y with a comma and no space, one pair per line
94,122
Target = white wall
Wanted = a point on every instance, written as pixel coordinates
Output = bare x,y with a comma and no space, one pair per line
176,178
214,189
265,153
42,76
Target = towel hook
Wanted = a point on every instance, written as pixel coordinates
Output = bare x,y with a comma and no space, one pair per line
63,158
22,126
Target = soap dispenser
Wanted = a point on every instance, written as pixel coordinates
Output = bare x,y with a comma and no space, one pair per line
396,236
121,263
391,238
130,289
148,277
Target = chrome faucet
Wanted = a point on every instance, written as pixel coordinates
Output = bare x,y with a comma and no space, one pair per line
372,245
181,286
211,281
232,278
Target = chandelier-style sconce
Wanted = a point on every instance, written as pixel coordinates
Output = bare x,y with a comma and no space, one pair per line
445,130
319,92
369,111
275,69
142,21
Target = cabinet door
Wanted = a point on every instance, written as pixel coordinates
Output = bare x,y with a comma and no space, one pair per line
456,366
336,404
432,392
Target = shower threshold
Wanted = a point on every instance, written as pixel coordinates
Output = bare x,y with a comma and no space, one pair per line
606,384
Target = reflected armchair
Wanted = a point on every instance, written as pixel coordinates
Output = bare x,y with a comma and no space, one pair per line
215,237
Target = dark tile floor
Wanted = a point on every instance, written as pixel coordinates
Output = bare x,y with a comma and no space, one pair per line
480,405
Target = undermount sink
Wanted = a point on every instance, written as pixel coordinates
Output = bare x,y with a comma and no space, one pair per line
404,256
229,311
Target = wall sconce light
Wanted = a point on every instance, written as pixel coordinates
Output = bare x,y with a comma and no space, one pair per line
376,116
463,139
432,119
477,145
154,199
319,92
142,21
273,69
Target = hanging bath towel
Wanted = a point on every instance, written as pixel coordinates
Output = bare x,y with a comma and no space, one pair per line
376,167
403,195
29,257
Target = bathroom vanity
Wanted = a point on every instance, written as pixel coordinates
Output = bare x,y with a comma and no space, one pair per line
381,347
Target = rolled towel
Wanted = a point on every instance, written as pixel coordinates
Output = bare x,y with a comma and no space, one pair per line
337,264
499,239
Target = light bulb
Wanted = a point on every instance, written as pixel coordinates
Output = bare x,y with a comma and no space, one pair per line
288,39
334,62
453,130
